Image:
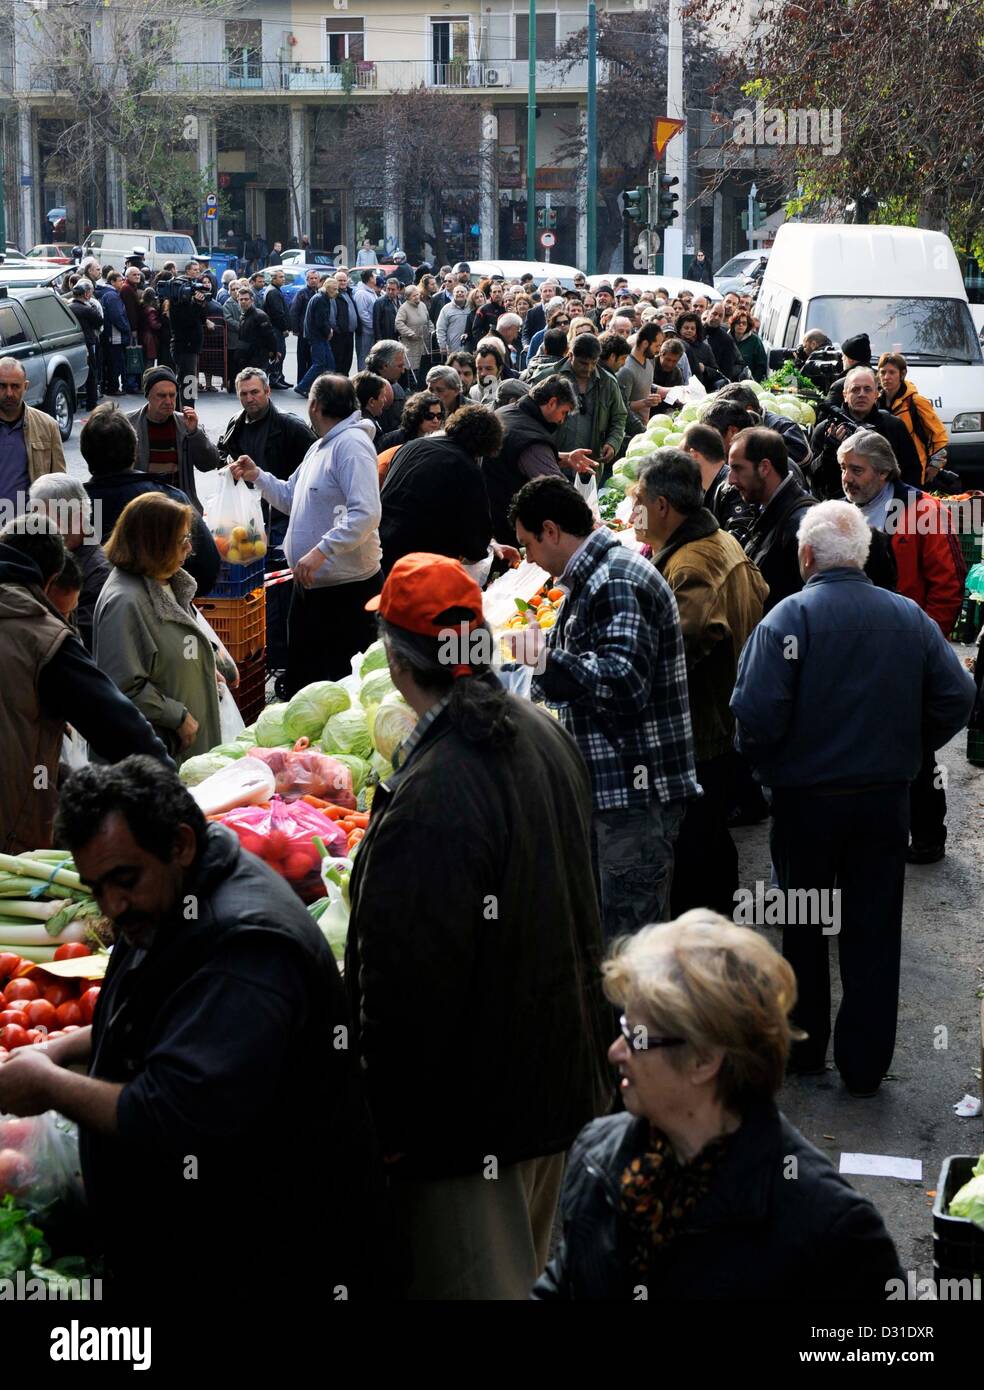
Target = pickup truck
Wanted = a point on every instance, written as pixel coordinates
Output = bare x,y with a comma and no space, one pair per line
42,333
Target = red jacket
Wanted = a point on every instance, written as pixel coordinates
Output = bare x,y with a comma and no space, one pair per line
927,553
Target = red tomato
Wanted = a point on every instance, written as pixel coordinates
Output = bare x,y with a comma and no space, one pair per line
15,1172
13,1035
68,1013
17,1016
10,963
88,1003
58,993
40,1014
72,950
15,1133
21,989
37,1035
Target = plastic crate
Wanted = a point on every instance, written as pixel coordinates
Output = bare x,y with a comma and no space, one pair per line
972,619
239,623
250,694
958,1244
236,581
970,547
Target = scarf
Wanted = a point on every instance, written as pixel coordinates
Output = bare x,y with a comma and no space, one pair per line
658,1194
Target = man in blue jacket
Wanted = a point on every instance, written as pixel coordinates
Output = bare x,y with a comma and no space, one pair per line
839,689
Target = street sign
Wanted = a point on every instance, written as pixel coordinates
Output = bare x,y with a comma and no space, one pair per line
211,200
547,239
664,130
211,214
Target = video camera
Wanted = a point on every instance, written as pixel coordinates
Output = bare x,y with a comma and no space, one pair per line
823,367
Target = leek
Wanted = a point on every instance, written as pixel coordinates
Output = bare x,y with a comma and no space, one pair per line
33,868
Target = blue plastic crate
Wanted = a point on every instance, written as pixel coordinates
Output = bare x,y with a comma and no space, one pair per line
236,581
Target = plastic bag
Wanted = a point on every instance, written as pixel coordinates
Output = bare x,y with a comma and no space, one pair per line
306,772
480,570
283,836
75,750
587,486
231,722
499,599
235,518
39,1159
242,783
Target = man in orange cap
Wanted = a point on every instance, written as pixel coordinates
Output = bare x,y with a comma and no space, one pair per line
471,950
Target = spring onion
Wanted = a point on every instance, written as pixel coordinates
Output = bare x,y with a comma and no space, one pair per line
38,955
36,934
33,868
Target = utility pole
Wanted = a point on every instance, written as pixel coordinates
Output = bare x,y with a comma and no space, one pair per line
752,195
531,140
592,140
676,153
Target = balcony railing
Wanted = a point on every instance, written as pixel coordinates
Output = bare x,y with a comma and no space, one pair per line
352,76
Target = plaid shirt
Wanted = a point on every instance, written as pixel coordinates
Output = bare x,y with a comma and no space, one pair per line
617,676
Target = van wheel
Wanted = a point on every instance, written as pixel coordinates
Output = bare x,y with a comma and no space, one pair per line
58,404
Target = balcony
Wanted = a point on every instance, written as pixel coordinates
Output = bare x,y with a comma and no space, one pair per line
279,78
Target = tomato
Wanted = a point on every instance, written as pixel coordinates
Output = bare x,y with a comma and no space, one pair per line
10,963
13,1035
15,1133
40,1014
69,1012
88,1003
15,1172
17,1016
21,989
72,950
36,1035
58,993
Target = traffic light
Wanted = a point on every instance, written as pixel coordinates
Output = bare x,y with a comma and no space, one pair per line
666,211
546,219
759,214
636,204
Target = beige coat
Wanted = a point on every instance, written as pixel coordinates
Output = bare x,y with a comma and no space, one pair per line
43,443
414,330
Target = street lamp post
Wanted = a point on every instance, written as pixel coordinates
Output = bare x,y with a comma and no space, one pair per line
592,141
531,140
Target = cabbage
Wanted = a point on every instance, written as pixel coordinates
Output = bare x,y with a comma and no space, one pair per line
196,769
394,721
233,750
358,767
374,659
269,728
347,732
311,706
618,482
969,1201
381,766
376,686
630,469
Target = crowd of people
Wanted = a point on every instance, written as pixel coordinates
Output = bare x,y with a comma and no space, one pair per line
776,643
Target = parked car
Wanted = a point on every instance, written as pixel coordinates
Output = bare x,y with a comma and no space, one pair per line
741,272
59,252
41,332
114,244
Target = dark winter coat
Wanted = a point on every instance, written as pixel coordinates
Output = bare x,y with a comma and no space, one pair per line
288,439
757,1234
825,473
275,308
434,500
523,425
474,914
257,340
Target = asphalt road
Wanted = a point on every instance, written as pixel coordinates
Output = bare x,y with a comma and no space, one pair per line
942,974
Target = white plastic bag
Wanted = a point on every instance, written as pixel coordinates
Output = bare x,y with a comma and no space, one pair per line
75,750
479,571
235,518
231,722
587,486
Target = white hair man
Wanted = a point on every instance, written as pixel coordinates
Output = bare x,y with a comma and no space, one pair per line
65,502
508,327
837,687
930,571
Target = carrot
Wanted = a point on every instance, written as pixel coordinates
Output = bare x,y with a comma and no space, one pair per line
315,801
360,819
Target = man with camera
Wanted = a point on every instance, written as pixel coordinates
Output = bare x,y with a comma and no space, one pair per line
188,312
860,412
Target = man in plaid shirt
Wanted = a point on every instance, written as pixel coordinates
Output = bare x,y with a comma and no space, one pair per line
613,667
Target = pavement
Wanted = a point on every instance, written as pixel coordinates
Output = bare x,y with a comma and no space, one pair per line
938,1050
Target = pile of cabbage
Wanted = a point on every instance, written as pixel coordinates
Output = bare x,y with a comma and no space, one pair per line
666,430
360,721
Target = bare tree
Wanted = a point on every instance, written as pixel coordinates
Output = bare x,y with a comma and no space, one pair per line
437,155
266,130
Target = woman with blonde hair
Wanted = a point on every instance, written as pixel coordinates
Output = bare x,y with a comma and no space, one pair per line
578,325
702,1188
146,634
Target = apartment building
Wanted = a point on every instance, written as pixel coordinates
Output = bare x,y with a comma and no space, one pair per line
268,92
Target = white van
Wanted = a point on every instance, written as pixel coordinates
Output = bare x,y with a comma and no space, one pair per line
903,287
112,245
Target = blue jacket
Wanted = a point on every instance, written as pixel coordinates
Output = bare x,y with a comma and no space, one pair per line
114,313
842,683
320,318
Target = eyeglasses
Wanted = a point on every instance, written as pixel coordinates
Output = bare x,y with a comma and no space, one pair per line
186,540
434,415
562,323
640,1039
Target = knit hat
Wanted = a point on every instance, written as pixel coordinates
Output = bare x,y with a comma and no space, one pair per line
153,376
858,348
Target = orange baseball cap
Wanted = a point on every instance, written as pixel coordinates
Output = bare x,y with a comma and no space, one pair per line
419,587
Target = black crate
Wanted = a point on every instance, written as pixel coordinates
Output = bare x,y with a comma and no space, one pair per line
958,1244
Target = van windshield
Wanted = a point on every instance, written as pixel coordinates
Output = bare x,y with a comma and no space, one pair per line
928,330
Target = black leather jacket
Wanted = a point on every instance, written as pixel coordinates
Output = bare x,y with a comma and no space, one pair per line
777,1223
